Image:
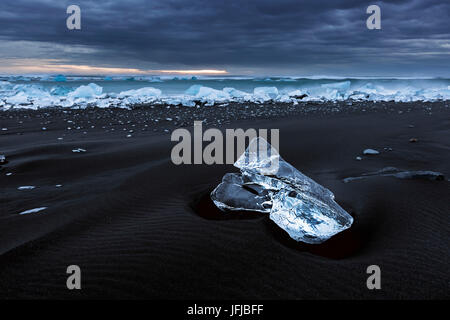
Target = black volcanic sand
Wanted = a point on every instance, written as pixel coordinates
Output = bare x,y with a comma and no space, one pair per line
141,227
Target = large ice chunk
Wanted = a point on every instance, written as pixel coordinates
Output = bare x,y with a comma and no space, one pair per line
238,94
90,91
142,92
297,204
207,93
265,93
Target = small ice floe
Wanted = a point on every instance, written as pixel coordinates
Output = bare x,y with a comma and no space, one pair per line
35,210
370,152
169,119
9,174
413,140
399,174
4,129
2,159
358,158
268,184
60,138
26,188
129,135
44,128
58,185
78,150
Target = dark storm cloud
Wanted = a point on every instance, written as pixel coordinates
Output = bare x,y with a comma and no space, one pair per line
284,36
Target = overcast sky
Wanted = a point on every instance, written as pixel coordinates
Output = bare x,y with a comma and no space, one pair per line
256,37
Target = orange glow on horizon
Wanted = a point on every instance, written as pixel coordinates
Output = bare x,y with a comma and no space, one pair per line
206,71
36,66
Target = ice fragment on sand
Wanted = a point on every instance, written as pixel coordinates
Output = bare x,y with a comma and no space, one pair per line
35,210
396,173
26,188
370,152
78,150
297,204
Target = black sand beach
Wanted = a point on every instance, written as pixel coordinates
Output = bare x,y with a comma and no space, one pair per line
141,227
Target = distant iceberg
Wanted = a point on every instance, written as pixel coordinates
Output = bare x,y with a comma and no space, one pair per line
297,204
60,78
154,79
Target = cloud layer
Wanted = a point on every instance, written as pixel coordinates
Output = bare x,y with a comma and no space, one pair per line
291,37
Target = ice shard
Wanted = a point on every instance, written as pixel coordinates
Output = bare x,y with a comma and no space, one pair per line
399,174
297,204
235,194
308,217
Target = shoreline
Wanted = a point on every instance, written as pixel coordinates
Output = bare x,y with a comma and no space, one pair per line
167,116
130,218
